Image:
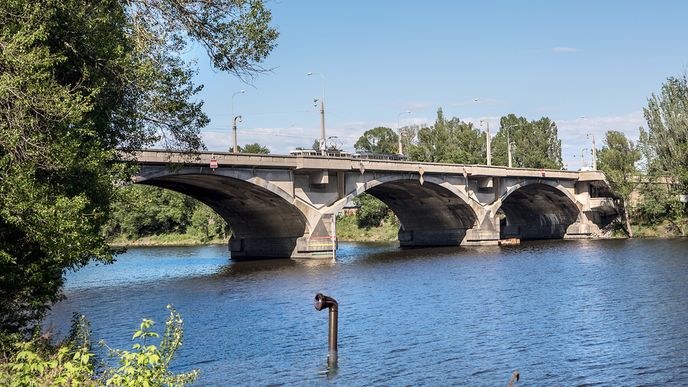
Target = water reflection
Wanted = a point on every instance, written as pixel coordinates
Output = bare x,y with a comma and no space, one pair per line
561,312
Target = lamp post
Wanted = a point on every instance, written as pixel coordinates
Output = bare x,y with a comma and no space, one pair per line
487,134
234,133
322,112
508,142
401,146
594,148
235,147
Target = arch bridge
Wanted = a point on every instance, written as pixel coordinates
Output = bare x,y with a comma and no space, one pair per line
285,206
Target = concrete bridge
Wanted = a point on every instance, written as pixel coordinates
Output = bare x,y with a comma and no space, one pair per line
285,206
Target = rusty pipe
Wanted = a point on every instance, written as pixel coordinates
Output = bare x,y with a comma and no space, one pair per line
321,302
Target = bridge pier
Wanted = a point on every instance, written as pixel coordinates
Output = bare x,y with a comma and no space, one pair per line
254,248
582,230
425,238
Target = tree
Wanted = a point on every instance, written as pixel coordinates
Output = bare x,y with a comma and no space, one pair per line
371,211
140,210
254,148
378,140
618,160
449,141
83,84
534,144
665,144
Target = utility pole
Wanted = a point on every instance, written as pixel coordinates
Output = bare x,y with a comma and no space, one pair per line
487,135
508,145
594,154
322,125
322,113
235,118
235,147
401,146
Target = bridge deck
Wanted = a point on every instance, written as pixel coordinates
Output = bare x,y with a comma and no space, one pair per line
225,159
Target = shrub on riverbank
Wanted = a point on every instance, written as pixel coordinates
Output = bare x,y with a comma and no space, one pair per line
38,363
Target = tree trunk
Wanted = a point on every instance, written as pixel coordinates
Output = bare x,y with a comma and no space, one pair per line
629,230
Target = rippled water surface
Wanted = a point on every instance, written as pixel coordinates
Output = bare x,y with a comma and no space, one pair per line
562,313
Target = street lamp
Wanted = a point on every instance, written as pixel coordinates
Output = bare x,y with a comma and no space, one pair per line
401,149
594,148
322,112
487,134
234,95
234,133
235,148
508,142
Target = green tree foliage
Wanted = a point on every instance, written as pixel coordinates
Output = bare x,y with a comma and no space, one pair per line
207,224
534,144
449,141
35,363
378,140
617,159
144,210
254,148
371,211
82,83
665,149
139,211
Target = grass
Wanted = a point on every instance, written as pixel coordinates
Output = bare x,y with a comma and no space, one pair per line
664,229
347,230
167,240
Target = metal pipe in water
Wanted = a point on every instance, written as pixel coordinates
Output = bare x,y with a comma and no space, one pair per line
321,302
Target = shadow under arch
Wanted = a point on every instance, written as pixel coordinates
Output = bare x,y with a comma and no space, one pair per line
252,211
430,214
537,211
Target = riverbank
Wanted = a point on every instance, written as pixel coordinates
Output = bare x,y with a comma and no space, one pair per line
664,230
347,231
167,240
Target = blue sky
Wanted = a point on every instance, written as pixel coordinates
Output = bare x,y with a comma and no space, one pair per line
595,59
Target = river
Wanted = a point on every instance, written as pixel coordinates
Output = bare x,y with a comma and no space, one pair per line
561,312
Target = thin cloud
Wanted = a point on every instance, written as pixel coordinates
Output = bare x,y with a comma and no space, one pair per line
478,101
565,49
416,106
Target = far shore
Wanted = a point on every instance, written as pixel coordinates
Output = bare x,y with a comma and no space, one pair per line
348,231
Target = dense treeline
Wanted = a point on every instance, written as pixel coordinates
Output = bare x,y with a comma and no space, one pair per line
657,167
649,177
140,211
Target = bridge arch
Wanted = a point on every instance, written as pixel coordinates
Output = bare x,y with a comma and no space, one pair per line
433,213
257,211
537,209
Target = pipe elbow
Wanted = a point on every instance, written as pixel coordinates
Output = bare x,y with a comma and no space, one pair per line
322,301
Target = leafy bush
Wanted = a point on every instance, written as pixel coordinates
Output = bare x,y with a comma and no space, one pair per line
34,363
371,211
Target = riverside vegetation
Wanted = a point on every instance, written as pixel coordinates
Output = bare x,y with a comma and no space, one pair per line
84,83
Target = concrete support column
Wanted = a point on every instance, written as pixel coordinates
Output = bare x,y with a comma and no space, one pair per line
253,248
481,237
321,243
583,228
484,234
420,237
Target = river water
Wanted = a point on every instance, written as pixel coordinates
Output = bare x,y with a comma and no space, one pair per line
560,312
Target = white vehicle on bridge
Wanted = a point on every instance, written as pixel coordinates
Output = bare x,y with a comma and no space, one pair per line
313,152
379,156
